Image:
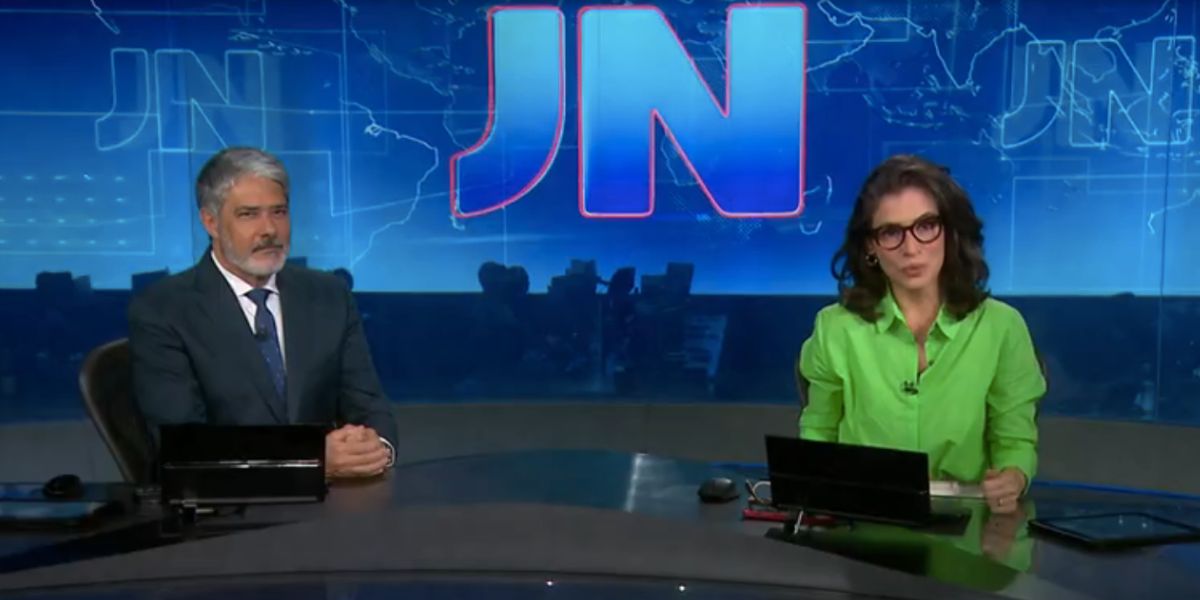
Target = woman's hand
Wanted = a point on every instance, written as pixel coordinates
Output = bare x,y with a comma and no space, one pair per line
1002,489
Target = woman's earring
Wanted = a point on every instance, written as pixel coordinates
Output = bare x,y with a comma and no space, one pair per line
872,260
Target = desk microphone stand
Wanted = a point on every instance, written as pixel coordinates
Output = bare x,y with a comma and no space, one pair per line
182,520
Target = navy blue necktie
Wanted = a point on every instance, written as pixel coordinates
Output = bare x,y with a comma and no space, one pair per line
268,344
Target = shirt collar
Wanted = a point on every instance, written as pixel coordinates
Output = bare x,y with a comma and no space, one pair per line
889,314
237,284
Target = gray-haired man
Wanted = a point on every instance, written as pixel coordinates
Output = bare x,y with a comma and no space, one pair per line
242,338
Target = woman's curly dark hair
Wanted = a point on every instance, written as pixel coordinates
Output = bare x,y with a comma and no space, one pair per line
963,279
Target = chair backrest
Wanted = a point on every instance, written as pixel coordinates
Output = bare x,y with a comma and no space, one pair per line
1044,367
801,389
1037,411
106,383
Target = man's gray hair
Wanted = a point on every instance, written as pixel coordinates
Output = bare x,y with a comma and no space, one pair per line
223,170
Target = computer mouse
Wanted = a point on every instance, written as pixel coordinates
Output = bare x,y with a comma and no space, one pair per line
718,489
63,487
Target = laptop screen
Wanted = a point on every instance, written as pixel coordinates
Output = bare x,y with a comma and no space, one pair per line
215,443
860,481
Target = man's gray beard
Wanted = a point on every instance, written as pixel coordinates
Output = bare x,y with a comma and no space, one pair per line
244,262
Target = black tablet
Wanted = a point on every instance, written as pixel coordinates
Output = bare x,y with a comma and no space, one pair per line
1116,530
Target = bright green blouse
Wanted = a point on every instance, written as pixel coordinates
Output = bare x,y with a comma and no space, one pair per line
974,407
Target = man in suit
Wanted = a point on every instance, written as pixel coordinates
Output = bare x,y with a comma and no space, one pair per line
242,338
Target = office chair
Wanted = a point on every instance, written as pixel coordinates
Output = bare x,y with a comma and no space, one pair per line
1042,365
106,384
801,388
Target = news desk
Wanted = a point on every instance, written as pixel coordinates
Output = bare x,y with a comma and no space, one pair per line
584,524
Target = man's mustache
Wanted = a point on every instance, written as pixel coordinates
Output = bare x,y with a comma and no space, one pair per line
268,245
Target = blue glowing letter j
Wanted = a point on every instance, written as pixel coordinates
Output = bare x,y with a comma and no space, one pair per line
525,112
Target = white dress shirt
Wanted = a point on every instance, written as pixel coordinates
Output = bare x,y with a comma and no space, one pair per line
250,309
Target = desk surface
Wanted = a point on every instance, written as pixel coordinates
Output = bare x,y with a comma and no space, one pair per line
582,520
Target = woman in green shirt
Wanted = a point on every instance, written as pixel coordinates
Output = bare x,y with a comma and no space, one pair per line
916,355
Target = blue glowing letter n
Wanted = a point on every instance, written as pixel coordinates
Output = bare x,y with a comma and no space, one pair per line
745,148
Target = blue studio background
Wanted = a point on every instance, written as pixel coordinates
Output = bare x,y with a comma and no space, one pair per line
1074,136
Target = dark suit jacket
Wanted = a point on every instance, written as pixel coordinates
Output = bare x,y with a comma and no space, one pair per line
195,359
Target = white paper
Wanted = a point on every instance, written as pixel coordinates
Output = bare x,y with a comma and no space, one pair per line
954,489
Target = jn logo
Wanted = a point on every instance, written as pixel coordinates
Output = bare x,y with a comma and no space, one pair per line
174,91
745,148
